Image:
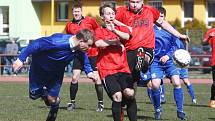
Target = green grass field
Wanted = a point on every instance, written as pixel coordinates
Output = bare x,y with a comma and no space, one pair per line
16,106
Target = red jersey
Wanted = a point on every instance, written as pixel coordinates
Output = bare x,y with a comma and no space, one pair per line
111,59
142,24
86,23
211,41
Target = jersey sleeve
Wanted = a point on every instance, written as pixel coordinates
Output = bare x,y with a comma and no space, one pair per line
119,14
206,36
98,34
87,67
72,28
124,29
94,24
44,44
155,13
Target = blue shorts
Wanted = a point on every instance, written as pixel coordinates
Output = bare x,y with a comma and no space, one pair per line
183,73
159,70
38,79
144,79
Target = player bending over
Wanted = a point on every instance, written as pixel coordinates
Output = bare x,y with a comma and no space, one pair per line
50,56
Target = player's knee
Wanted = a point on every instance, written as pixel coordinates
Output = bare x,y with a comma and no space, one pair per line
129,93
75,79
117,97
156,84
53,100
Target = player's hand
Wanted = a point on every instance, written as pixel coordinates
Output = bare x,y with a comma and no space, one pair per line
17,64
92,76
212,34
164,59
185,38
123,47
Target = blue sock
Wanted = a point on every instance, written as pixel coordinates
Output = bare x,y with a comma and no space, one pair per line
179,98
191,91
156,99
149,91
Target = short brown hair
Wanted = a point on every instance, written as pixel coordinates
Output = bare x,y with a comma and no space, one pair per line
77,5
101,9
86,35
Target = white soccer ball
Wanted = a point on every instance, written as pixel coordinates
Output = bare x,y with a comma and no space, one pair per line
181,58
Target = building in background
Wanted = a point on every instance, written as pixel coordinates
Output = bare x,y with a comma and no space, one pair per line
35,18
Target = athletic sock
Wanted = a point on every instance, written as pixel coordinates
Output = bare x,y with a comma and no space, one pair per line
116,110
179,98
213,92
53,112
156,99
191,91
99,92
132,109
149,92
73,90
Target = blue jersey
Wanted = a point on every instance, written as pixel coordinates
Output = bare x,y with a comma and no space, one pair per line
164,43
179,44
53,53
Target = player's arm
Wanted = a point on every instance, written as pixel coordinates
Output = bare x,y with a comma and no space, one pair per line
88,68
118,23
165,25
123,35
207,37
105,43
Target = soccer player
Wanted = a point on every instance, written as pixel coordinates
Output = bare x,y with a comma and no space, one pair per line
50,56
79,22
184,73
209,38
112,64
163,64
140,19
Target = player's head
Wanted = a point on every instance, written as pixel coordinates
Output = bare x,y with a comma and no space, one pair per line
107,12
135,5
85,39
77,11
162,11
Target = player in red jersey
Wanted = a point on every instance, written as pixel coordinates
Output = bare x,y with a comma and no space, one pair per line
140,19
112,64
79,22
209,38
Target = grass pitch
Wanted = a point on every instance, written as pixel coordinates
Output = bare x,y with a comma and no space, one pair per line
16,106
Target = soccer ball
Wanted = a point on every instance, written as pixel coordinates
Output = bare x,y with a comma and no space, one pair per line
181,58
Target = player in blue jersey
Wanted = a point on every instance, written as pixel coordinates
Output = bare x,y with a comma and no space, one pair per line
163,64
184,72
50,56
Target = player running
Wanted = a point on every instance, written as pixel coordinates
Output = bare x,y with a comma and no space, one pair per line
79,22
50,56
112,64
